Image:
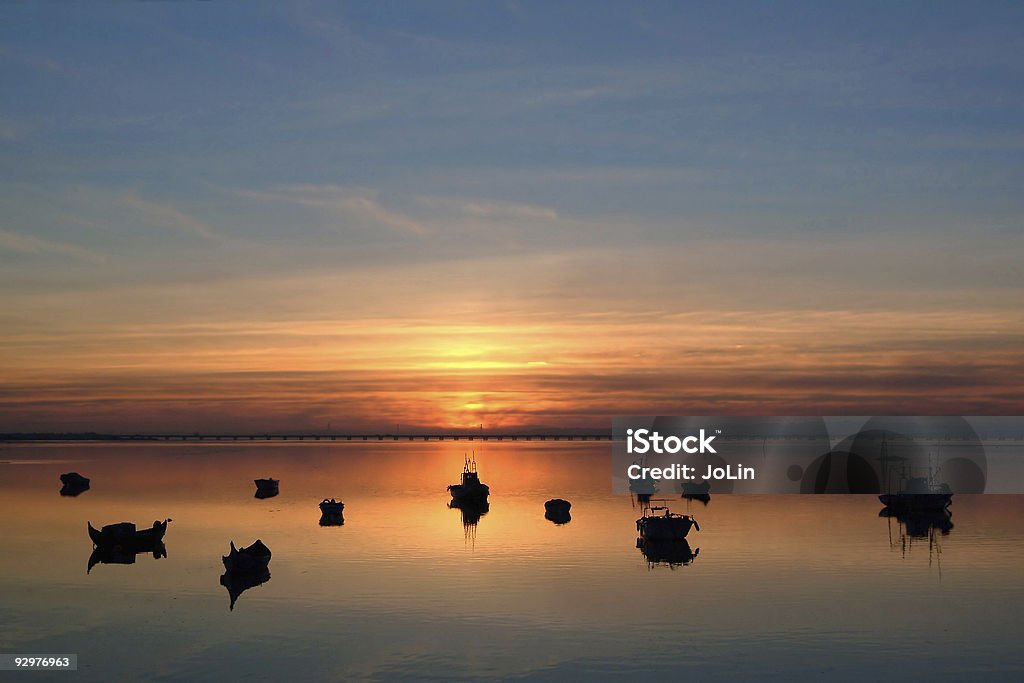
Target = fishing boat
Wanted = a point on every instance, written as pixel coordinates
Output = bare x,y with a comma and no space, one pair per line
471,488
267,488
254,558
913,493
125,534
557,510
669,526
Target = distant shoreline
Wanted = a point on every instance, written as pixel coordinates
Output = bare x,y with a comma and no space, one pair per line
314,437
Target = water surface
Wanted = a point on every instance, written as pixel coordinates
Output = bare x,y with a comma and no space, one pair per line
780,586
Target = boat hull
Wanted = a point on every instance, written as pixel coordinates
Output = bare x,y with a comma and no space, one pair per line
255,558
463,492
125,535
673,528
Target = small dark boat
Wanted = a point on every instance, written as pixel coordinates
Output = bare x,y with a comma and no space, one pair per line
239,582
107,554
254,558
672,553
125,534
332,513
331,506
670,526
73,484
557,510
74,479
471,488
267,488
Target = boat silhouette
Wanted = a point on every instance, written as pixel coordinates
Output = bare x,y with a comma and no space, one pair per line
471,489
331,513
125,535
252,559
913,492
267,488
667,526
557,510
73,484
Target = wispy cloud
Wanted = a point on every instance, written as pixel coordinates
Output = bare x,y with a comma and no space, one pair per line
168,216
344,203
27,244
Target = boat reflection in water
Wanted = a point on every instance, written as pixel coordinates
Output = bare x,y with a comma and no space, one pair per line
117,554
670,553
920,523
472,510
913,526
245,568
239,583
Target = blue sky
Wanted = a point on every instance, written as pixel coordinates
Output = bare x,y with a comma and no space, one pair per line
189,162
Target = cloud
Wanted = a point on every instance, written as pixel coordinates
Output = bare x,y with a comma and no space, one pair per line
27,244
344,203
166,215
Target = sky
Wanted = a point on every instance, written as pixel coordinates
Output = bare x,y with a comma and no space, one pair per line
257,217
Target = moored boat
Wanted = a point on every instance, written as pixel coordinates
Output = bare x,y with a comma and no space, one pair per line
267,488
331,506
332,512
126,535
253,558
73,484
557,510
914,493
471,488
74,479
669,526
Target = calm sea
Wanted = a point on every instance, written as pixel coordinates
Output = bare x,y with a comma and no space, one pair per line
773,586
